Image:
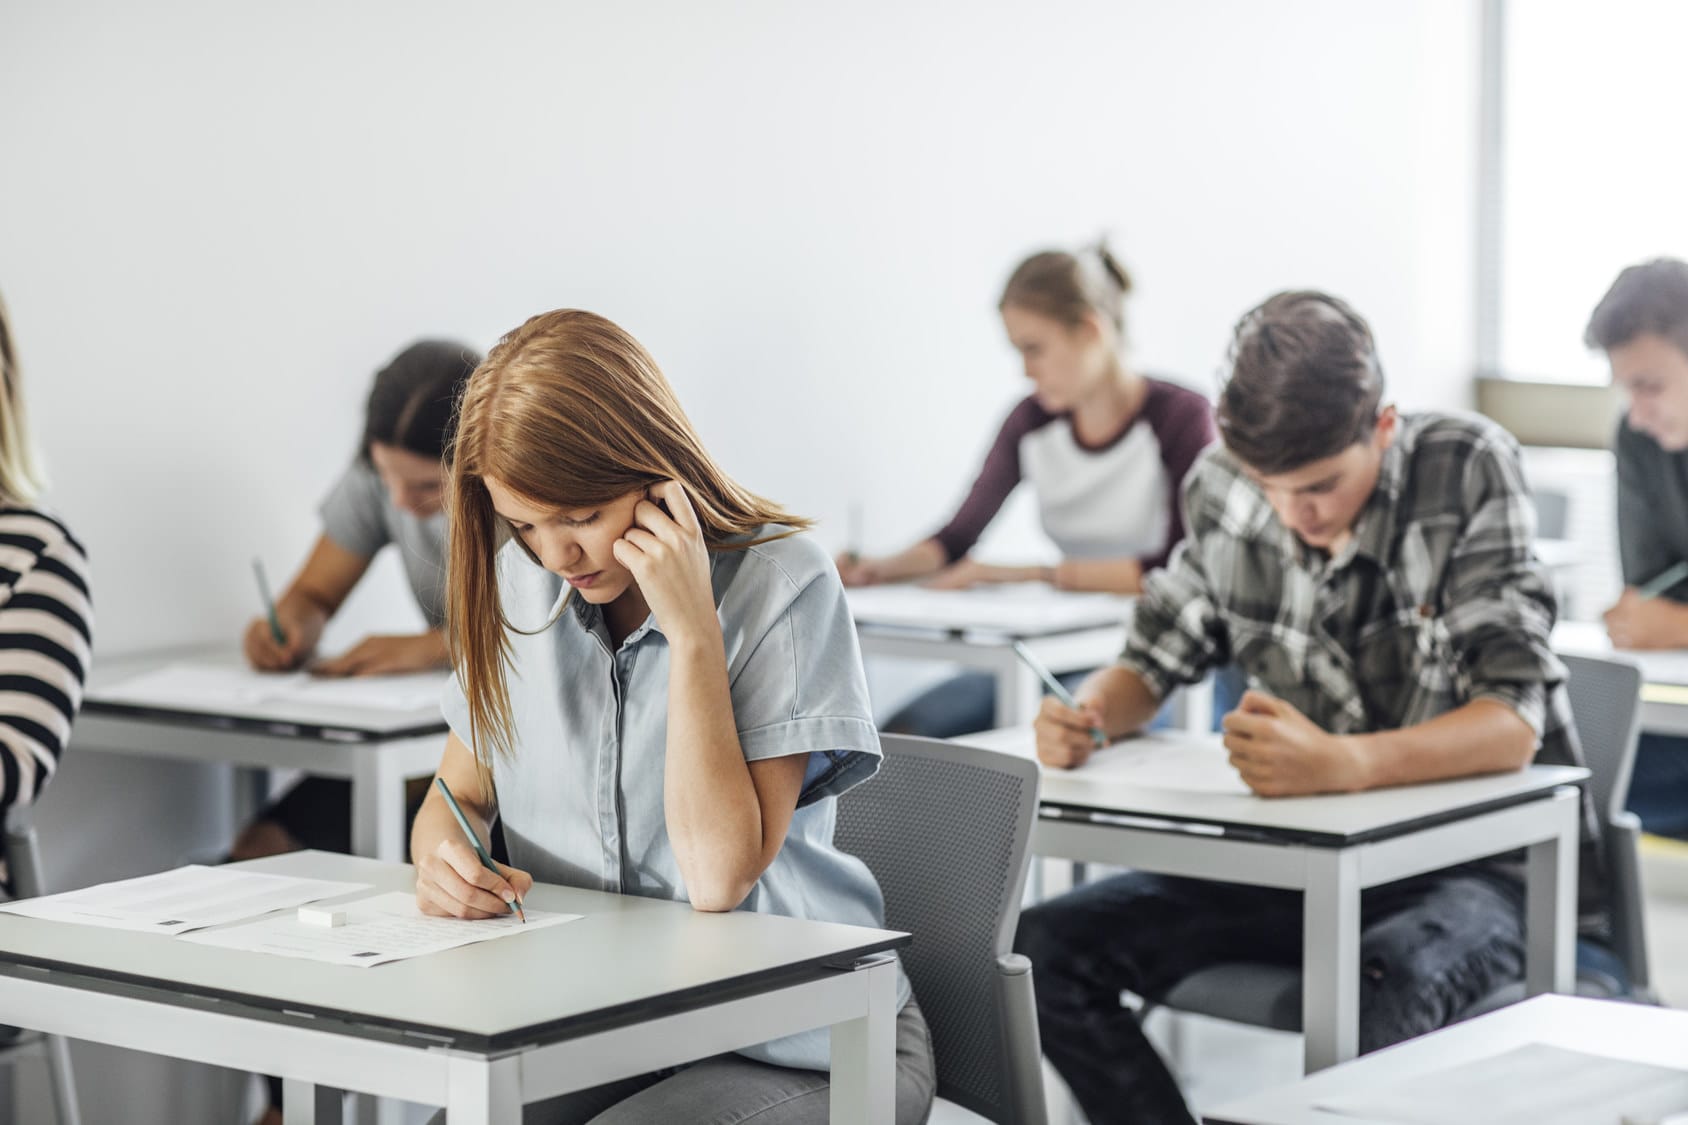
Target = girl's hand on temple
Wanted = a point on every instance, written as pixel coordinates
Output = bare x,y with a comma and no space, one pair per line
666,554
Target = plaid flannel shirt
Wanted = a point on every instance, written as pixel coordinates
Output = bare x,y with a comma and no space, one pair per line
1436,600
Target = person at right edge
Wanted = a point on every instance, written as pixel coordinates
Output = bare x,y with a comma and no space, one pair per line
1372,574
1642,326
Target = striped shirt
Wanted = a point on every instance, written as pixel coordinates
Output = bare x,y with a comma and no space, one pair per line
45,647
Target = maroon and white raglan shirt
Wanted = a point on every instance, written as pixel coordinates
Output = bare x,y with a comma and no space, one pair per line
1115,500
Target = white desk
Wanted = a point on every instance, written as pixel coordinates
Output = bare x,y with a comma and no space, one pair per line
1198,820
636,985
977,628
1602,1027
1664,691
376,750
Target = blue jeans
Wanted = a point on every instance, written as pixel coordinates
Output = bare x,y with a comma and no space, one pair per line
960,705
1430,947
1658,789
967,703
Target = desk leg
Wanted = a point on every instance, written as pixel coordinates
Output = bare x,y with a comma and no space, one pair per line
1330,969
304,1103
1550,912
864,1054
1018,690
484,1091
378,806
367,1109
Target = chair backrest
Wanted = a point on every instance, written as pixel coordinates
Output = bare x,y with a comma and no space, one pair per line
1606,704
1553,508
944,828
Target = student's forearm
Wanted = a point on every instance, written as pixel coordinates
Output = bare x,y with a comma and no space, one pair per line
299,602
434,822
1483,736
714,817
1122,696
925,557
1107,576
1671,630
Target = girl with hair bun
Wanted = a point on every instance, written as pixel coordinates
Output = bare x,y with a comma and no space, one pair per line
1104,447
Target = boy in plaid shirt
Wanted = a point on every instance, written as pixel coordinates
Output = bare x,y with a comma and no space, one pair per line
1372,574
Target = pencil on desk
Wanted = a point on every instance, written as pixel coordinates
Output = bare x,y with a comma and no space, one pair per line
1664,581
1097,734
475,842
276,634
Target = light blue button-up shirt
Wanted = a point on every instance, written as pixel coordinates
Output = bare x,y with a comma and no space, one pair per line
580,798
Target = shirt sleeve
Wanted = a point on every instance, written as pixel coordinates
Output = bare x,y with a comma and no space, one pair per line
1183,428
997,478
1177,628
800,689
1497,601
1645,553
352,512
45,646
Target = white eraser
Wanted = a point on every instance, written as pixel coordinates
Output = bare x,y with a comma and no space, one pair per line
322,916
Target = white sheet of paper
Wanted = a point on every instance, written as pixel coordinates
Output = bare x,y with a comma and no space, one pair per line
225,687
1162,766
383,928
188,898
1013,609
1536,1084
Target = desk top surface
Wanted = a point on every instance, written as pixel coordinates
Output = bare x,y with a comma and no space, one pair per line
628,959
1020,609
1667,667
1189,779
1634,1032
109,699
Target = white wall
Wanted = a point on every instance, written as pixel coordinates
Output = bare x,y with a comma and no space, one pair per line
217,219
220,218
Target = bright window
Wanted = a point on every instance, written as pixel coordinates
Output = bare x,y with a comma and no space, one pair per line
1594,168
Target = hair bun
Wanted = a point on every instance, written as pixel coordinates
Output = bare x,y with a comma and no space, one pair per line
1112,267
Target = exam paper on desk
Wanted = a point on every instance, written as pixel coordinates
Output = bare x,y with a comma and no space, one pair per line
1151,764
188,898
225,687
1536,1084
380,929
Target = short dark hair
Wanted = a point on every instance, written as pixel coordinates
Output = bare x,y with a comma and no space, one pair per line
1651,297
1304,382
413,401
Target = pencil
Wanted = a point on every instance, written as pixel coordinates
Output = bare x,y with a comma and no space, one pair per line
269,602
475,842
1097,734
1664,581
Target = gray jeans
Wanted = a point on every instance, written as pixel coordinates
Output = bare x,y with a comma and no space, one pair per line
727,1089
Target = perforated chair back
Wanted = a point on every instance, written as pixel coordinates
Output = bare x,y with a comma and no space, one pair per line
1606,703
945,828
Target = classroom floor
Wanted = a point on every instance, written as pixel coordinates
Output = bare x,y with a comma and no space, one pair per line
1226,1061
